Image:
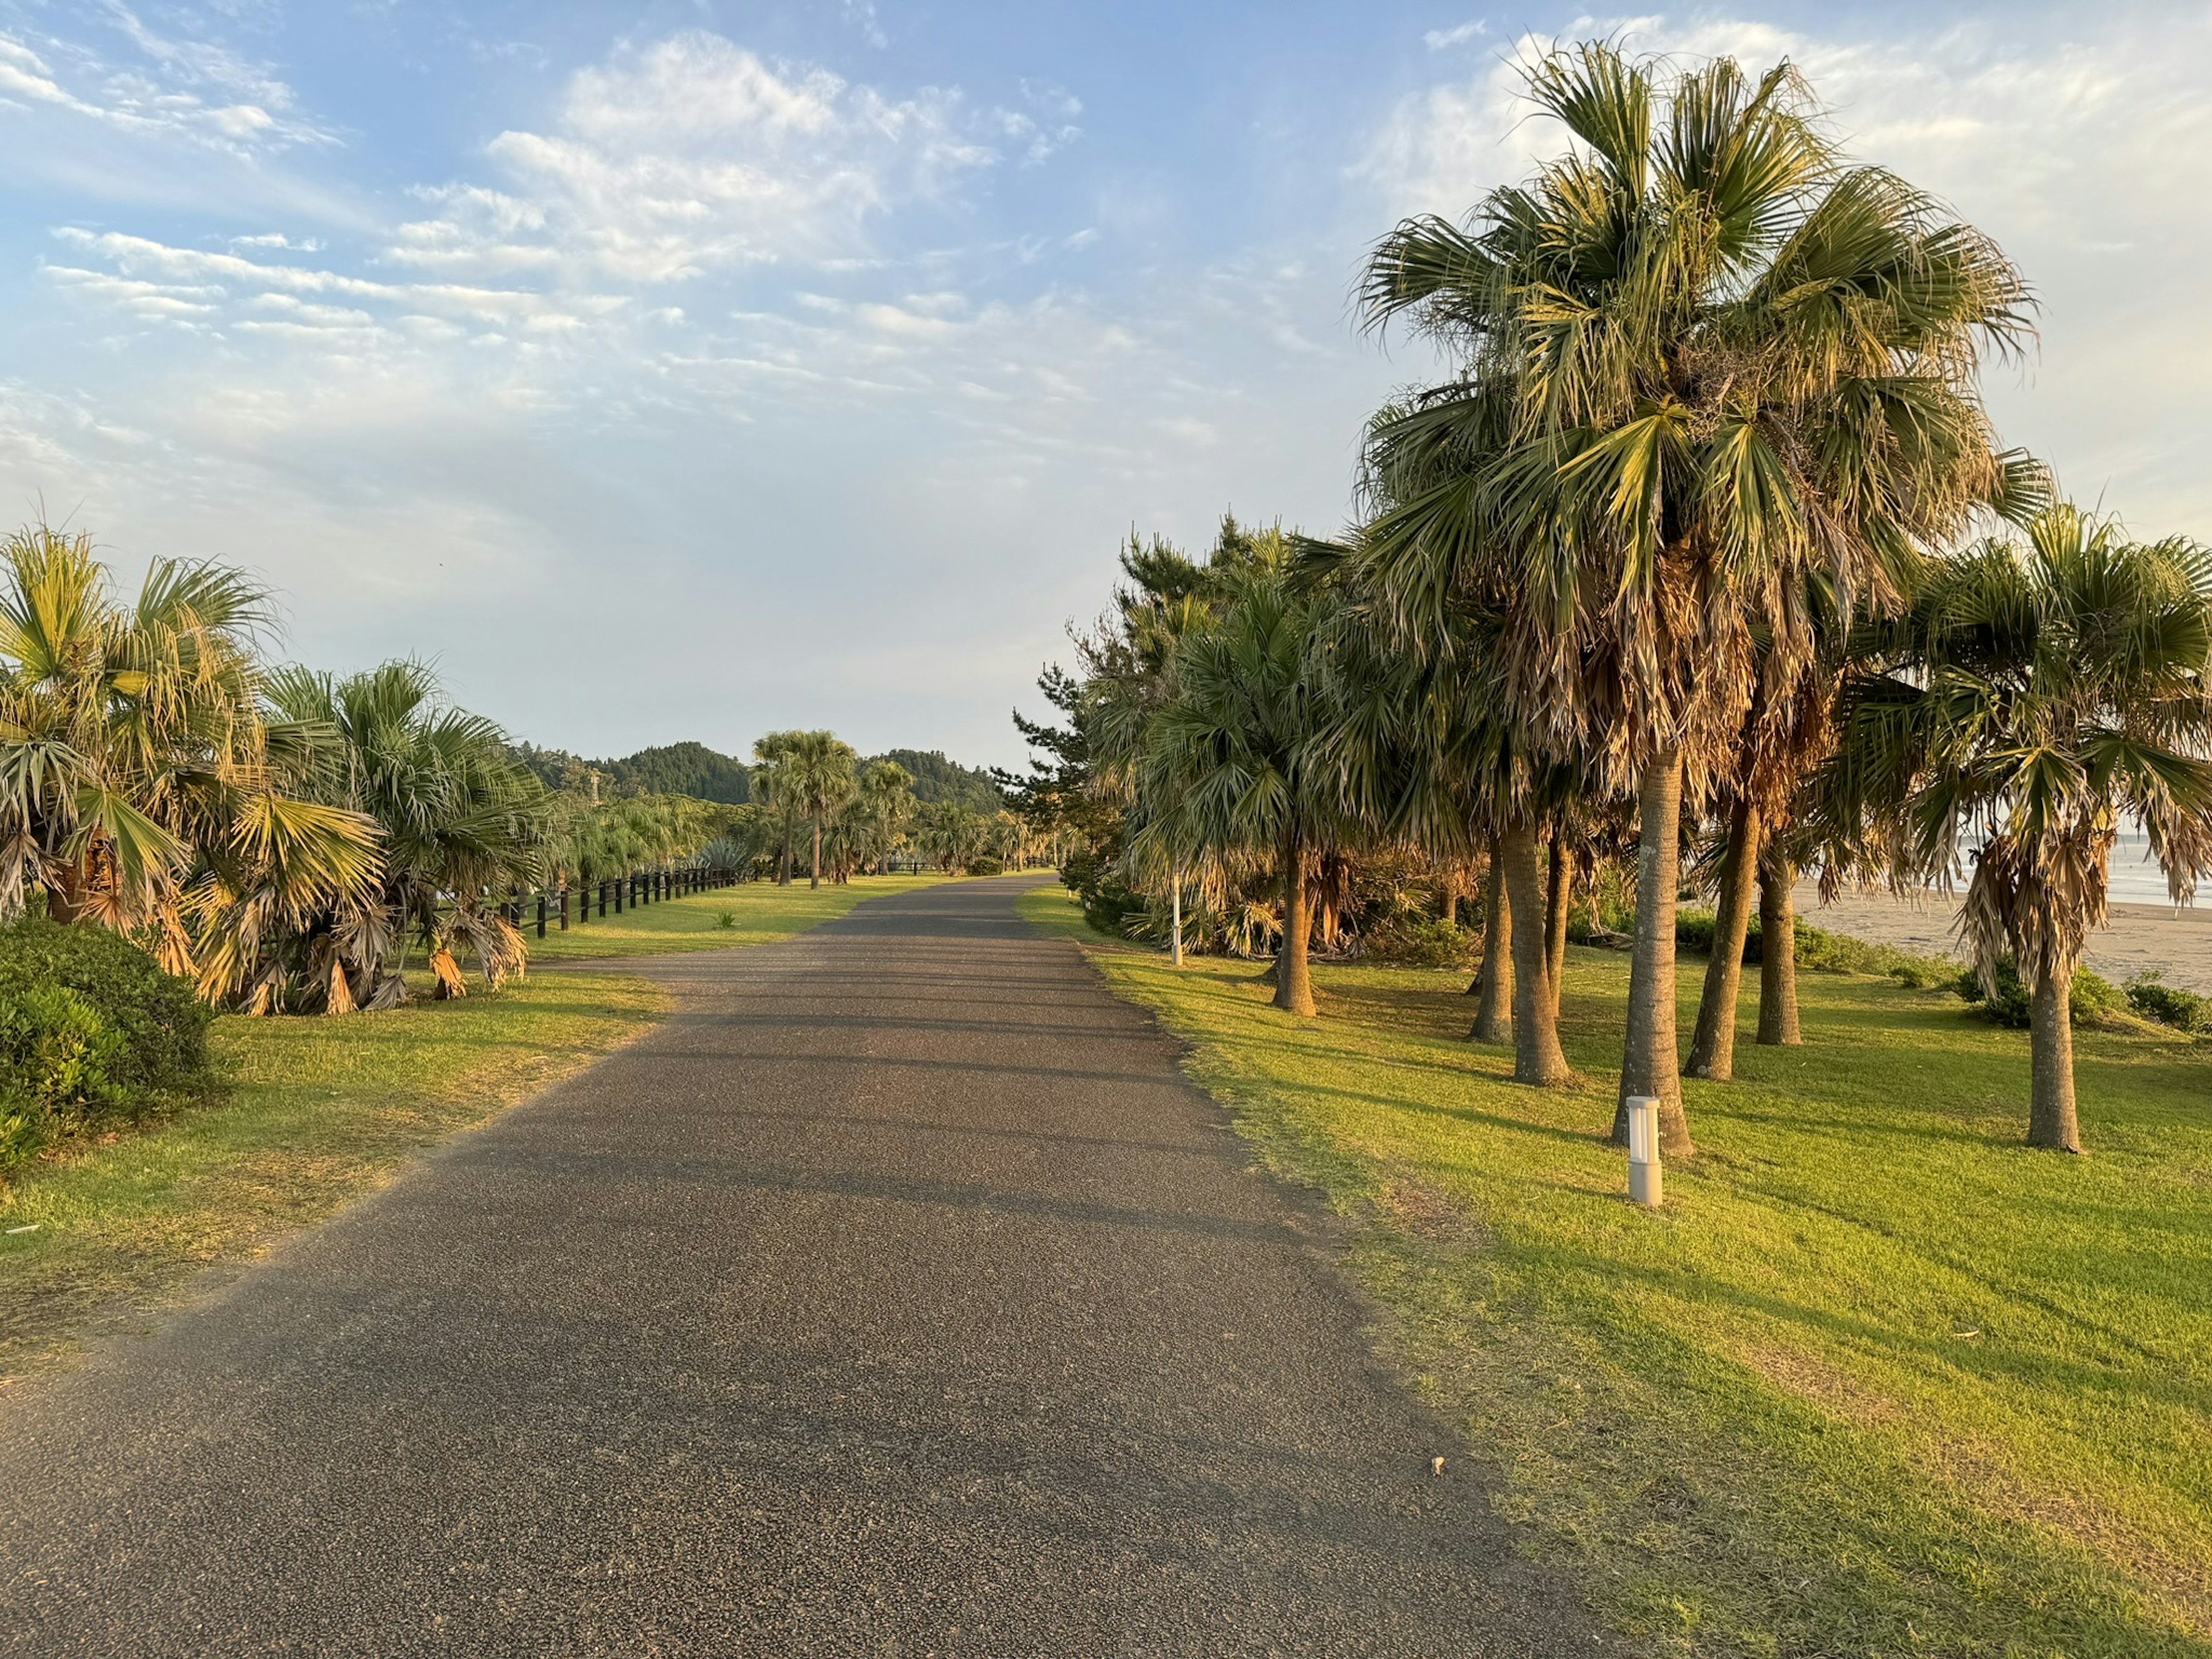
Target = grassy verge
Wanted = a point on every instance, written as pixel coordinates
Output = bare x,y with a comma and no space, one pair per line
1878,1380
760,912
322,1112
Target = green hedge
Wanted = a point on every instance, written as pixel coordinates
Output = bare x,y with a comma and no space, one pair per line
1820,950
2186,1010
92,1033
2095,999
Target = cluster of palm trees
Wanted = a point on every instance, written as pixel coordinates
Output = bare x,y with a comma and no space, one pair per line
855,814
1704,533
279,836
953,837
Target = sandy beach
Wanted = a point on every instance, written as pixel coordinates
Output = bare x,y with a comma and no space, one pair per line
2138,937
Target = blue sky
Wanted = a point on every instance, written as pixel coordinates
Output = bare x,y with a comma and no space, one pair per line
688,370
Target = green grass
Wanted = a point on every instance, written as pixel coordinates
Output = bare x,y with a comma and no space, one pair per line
1878,1380
763,914
323,1110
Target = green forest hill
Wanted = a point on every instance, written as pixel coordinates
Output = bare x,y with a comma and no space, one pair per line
694,769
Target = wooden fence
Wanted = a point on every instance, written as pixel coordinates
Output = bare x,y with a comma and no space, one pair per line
555,907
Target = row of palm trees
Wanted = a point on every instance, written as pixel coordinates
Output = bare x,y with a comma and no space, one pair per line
290,840
1705,531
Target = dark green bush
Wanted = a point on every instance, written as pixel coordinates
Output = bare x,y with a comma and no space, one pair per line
1108,905
2096,1000
2186,1010
91,1033
1417,941
987,865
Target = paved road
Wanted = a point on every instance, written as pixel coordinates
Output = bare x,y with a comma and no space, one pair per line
897,1297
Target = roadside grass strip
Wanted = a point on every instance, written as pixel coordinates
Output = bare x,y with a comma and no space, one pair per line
321,1112
1878,1380
761,913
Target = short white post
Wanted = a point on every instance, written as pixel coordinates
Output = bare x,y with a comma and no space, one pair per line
1645,1181
1178,913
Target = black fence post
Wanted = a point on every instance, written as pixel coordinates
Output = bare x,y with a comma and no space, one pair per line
541,916
618,895
564,907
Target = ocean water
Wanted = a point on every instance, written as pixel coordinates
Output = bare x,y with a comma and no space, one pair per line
2136,878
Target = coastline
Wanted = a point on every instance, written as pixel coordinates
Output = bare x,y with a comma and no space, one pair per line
2136,938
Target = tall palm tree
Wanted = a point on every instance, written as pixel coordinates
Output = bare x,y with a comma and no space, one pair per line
134,752
821,772
2039,695
1699,359
1229,765
774,782
1424,747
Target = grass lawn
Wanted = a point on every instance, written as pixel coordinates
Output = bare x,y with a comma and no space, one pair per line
322,1112
761,913
1878,1380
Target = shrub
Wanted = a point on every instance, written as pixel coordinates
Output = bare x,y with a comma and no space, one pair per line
92,1032
1822,950
2096,1000
987,865
1419,941
1108,905
2149,996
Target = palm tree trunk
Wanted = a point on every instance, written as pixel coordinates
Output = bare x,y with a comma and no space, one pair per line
1712,1050
1451,906
2051,1119
783,868
1293,979
1493,983
815,879
1536,1056
66,888
1558,896
1777,952
1650,1061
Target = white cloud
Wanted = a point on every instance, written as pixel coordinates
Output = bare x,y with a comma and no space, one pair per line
149,85
1458,35
694,155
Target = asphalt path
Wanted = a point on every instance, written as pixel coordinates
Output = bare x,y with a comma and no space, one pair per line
897,1296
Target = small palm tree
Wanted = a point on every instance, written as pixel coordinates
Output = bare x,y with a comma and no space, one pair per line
135,754
461,822
2037,696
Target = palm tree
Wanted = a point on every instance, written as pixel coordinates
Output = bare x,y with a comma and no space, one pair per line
1229,766
1700,362
1424,747
820,773
2036,697
134,752
882,805
461,824
773,782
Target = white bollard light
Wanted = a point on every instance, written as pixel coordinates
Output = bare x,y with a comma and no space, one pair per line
1644,1180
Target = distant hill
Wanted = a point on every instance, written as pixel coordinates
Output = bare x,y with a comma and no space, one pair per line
683,769
675,769
937,779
